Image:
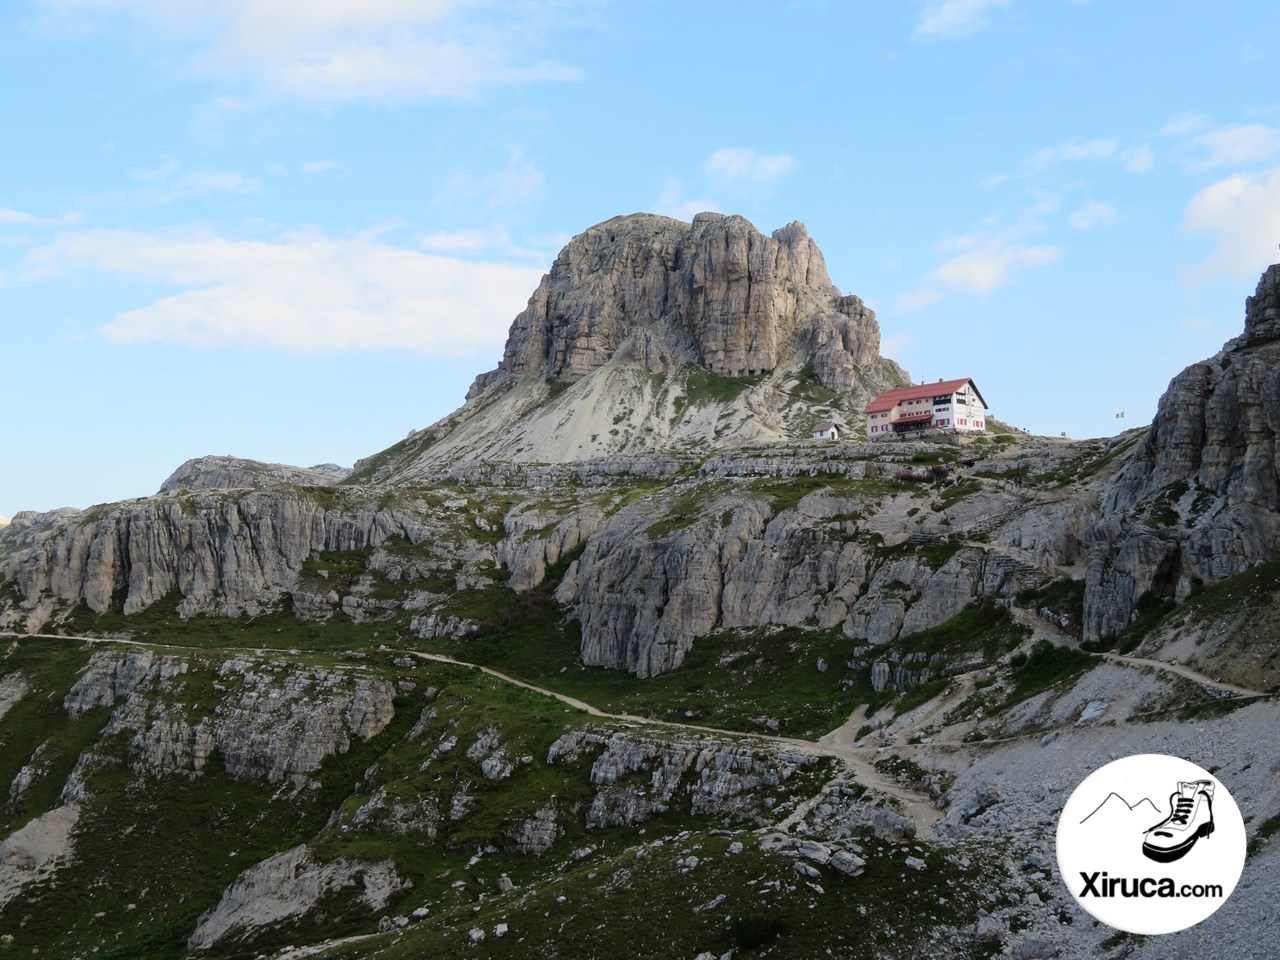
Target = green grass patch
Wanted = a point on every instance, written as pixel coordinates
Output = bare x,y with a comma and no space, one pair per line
279,629
1216,707
918,694
1256,586
1045,666
729,680
684,510
933,555
953,493
703,386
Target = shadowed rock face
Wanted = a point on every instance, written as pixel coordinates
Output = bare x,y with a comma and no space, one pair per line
716,293
1197,500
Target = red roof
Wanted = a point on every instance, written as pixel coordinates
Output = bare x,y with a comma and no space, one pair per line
919,391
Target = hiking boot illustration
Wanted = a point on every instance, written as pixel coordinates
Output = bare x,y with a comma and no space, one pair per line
1190,818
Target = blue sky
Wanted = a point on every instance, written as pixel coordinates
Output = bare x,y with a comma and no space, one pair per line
294,230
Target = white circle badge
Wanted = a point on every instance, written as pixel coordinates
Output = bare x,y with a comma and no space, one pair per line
1151,844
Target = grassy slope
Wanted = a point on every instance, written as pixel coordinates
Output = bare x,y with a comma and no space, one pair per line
638,903
152,854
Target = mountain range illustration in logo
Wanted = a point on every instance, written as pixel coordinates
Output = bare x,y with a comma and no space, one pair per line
1189,819
1117,808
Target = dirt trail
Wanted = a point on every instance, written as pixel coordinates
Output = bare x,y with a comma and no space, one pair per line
1041,629
1182,671
837,744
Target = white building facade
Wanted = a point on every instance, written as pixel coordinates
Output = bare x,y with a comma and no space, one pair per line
948,406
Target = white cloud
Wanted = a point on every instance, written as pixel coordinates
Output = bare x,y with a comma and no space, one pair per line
163,172
9,215
745,165
20,218
979,262
914,300
673,203
1072,150
454,240
989,264
163,184
302,292
320,166
1243,214
1093,213
1184,123
345,50
955,18
1138,159
1236,145
736,171
520,180
894,344
212,181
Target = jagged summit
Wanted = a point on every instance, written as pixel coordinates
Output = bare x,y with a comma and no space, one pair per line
716,293
651,334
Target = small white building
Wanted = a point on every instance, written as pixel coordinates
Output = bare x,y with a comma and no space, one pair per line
826,430
948,406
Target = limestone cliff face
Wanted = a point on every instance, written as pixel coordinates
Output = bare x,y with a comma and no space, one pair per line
363,554
715,292
1198,499
652,580
225,555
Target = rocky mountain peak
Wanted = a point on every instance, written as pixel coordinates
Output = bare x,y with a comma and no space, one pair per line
1262,310
650,335
715,293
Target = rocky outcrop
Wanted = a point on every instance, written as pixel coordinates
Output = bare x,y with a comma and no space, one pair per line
13,687
288,886
232,473
1197,500
273,721
33,852
638,777
536,835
